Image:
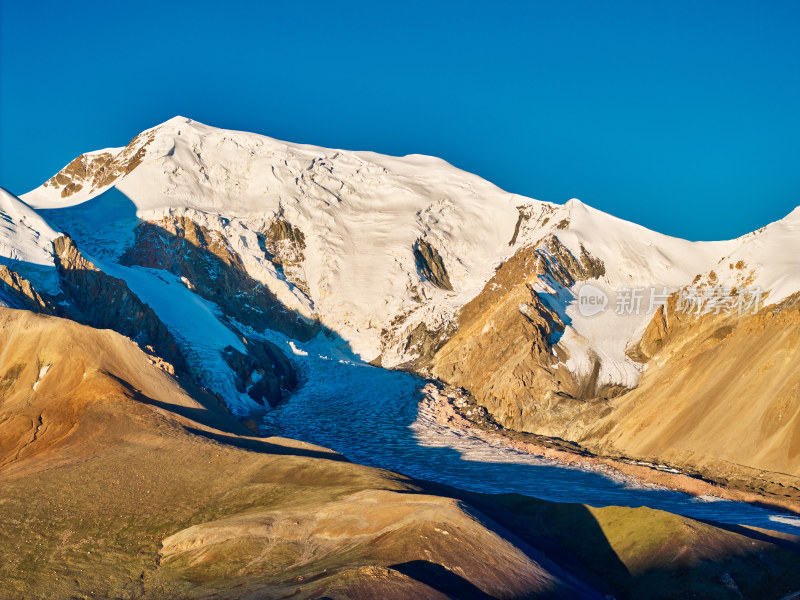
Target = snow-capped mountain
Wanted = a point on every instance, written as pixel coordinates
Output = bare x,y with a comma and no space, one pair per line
360,215
228,235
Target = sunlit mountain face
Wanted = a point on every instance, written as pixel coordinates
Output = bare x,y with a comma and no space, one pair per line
238,367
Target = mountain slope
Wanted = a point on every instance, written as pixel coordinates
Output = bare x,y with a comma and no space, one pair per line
47,272
711,388
360,214
721,396
408,262
24,235
360,218
145,488
26,242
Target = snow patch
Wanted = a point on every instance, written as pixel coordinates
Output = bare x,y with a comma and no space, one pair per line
297,351
786,520
26,242
42,372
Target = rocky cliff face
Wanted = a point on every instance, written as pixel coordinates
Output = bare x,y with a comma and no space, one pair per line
91,172
284,245
263,372
90,296
720,394
18,292
505,350
105,302
430,264
211,268
256,369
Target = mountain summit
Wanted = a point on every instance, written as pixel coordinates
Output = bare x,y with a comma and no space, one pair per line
353,240
240,243
242,276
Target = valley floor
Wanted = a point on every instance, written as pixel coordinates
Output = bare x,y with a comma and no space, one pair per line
452,413
398,421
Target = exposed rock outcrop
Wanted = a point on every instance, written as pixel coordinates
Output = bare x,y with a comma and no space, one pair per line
18,292
97,299
98,170
721,396
424,342
215,271
264,373
430,265
504,351
565,268
284,245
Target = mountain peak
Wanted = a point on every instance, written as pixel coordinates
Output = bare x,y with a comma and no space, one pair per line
176,120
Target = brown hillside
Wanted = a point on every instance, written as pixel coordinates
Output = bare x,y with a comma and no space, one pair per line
117,483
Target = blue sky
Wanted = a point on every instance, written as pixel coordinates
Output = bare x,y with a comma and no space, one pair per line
680,115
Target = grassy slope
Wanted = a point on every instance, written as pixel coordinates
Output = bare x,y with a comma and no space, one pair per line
647,553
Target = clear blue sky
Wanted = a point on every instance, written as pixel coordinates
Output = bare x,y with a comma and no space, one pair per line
680,115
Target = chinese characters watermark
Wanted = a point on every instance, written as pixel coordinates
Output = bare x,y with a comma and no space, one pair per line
696,300
719,299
